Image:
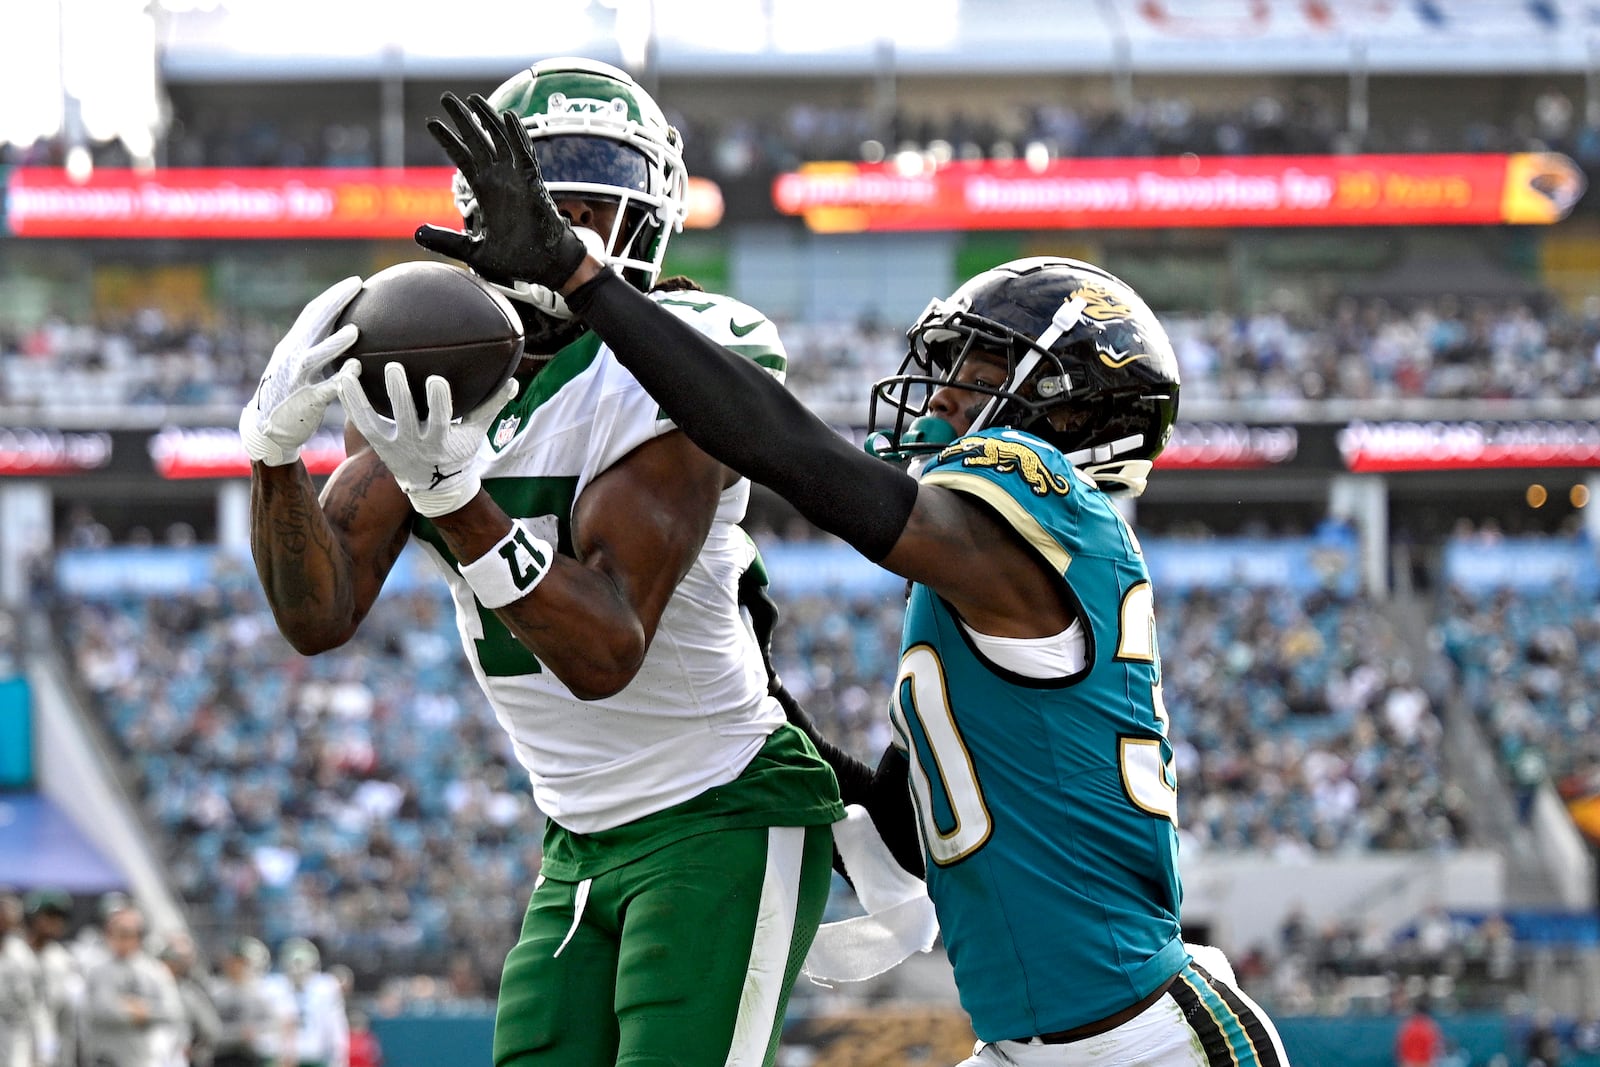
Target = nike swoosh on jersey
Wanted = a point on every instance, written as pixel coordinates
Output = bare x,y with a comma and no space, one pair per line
740,331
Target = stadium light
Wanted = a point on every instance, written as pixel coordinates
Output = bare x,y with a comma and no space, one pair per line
83,69
30,78
109,66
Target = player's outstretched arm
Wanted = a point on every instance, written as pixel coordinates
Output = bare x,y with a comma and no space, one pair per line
521,236
728,406
736,412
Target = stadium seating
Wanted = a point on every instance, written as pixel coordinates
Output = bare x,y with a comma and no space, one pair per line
368,799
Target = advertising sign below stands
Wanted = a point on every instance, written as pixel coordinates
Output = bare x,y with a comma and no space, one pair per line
1534,563
281,202
1184,191
35,453
1303,563
1435,446
1228,446
184,452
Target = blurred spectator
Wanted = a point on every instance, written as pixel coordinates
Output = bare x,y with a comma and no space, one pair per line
1543,1043
201,1027
90,946
317,1029
364,1048
1420,1042
19,985
1586,1035
132,1010
45,916
246,1009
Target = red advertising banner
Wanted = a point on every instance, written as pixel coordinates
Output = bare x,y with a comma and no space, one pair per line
194,452
234,203
1437,446
45,202
1228,446
1184,191
34,453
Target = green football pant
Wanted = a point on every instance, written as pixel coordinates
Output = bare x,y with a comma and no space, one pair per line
683,958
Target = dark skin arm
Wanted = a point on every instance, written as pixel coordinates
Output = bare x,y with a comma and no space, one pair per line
958,546
637,528
323,562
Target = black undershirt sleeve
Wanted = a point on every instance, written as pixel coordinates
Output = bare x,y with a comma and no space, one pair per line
742,417
885,792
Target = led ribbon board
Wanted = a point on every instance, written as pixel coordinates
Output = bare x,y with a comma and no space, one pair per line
1184,191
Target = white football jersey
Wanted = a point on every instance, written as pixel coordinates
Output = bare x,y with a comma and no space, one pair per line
698,710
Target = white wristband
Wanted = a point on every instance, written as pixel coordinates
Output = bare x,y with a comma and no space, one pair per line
511,569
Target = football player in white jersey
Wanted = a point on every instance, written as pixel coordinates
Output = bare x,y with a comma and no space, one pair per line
593,556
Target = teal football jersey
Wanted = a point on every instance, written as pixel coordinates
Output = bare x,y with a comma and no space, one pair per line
1048,807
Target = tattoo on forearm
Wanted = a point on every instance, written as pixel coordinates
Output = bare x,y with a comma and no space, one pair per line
292,543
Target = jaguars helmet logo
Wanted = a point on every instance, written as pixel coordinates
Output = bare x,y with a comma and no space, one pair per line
1100,304
1008,457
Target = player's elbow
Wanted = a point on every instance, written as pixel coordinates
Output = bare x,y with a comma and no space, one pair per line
311,639
597,685
600,680
311,645
603,671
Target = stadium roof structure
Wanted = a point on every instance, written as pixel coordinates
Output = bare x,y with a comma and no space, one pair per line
257,39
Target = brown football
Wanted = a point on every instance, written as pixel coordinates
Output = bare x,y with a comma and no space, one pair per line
433,318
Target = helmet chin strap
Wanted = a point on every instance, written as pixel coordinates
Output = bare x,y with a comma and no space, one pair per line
1065,318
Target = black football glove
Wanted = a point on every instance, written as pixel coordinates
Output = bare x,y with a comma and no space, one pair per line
521,237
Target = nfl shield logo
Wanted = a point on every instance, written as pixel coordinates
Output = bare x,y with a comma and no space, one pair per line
506,430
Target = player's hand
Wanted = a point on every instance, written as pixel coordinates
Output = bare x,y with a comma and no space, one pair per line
521,237
434,460
295,391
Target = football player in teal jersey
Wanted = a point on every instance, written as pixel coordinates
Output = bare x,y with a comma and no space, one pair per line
1031,745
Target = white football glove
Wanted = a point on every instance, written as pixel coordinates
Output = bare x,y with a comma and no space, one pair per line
434,461
293,395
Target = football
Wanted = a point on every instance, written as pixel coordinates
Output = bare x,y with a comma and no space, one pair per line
433,318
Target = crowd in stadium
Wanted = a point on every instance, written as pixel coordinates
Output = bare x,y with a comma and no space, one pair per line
367,799
1303,121
1527,663
1358,349
362,815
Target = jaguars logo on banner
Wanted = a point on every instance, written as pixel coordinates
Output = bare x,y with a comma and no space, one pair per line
1008,457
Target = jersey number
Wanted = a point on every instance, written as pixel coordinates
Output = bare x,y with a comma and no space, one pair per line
944,783
1150,781
499,652
961,823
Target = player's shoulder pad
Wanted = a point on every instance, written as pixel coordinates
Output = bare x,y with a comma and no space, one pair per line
731,323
